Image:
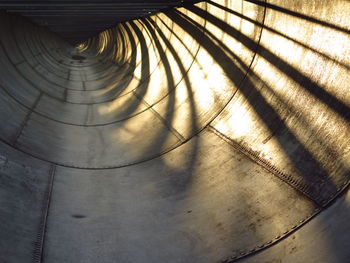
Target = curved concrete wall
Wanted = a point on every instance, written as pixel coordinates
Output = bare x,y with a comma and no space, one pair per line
210,133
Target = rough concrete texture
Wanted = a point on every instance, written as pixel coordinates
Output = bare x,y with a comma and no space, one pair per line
217,132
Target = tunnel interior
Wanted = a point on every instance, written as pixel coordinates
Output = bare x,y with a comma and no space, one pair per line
175,131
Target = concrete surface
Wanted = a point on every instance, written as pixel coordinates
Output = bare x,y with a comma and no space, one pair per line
77,20
215,132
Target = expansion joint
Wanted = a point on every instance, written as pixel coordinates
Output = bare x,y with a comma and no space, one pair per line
26,119
289,179
40,238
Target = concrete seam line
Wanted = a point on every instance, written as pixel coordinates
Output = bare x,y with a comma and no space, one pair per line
26,119
39,244
297,185
249,252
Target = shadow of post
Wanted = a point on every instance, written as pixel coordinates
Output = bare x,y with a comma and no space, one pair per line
310,169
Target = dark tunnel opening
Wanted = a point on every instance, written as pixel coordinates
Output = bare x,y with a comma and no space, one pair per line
213,131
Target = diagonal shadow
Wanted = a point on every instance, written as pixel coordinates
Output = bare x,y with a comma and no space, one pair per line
259,24
308,84
301,16
258,103
185,181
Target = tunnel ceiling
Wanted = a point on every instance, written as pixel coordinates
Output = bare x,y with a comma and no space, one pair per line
78,20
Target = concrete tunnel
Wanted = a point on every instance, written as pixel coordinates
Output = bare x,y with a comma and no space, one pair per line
215,131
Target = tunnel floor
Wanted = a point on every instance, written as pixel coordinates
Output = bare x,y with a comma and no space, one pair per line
214,132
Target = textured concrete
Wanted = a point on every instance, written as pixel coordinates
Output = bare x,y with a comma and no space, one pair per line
215,132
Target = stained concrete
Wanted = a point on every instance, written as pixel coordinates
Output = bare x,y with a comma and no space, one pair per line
215,132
